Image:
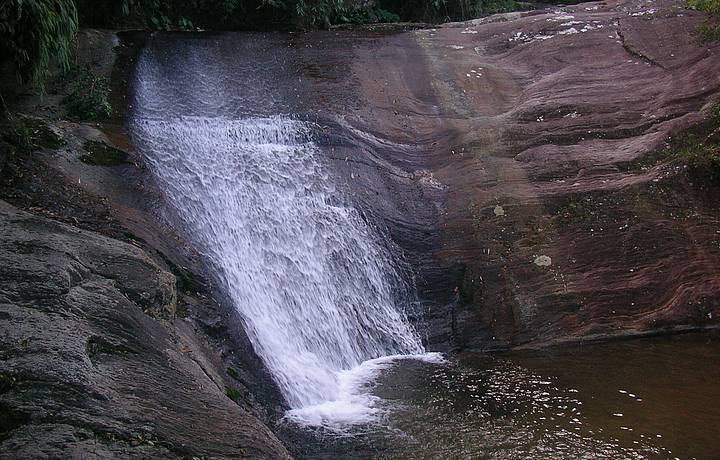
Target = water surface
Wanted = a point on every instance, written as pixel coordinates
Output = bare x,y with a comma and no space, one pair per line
641,398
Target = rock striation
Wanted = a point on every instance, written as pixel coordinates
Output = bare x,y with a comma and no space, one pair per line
93,362
510,158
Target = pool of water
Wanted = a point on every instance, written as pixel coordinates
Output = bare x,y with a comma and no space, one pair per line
641,398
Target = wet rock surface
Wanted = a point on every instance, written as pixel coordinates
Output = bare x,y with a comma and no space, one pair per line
504,144
555,115
94,363
114,342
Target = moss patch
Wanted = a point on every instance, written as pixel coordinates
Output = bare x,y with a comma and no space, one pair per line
233,394
697,149
580,209
28,134
233,373
710,29
101,154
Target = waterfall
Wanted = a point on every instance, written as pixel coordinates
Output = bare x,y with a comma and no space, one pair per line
314,283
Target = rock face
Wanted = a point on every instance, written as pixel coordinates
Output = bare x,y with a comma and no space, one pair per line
489,145
559,104
93,363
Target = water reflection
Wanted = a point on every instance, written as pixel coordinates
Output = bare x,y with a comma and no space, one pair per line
643,398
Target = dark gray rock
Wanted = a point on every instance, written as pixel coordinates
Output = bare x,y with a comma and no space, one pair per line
93,362
6,151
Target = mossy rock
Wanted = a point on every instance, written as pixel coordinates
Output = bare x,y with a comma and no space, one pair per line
28,134
233,394
101,154
698,148
233,373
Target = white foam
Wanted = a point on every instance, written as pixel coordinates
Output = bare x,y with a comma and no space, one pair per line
355,404
316,283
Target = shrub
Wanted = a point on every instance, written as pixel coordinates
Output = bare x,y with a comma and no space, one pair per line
87,97
699,149
708,6
36,33
453,10
184,15
28,134
709,30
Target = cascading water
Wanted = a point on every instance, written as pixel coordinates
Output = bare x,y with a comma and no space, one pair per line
312,280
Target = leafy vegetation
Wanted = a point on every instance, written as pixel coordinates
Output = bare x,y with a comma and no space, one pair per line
709,30
274,14
699,149
233,373
34,34
38,34
708,6
28,134
87,95
449,10
233,394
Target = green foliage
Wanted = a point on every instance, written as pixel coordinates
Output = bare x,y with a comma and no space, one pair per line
448,10
708,6
233,394
184,15
715,113
233,373
367,16
699,148
709,30
386,16
28,134
19,136
701,155
34,34
273,14
319,12
87,97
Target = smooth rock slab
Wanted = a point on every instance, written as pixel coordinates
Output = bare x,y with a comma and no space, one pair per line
92,361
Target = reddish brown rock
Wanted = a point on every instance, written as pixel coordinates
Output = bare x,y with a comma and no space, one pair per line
539,113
